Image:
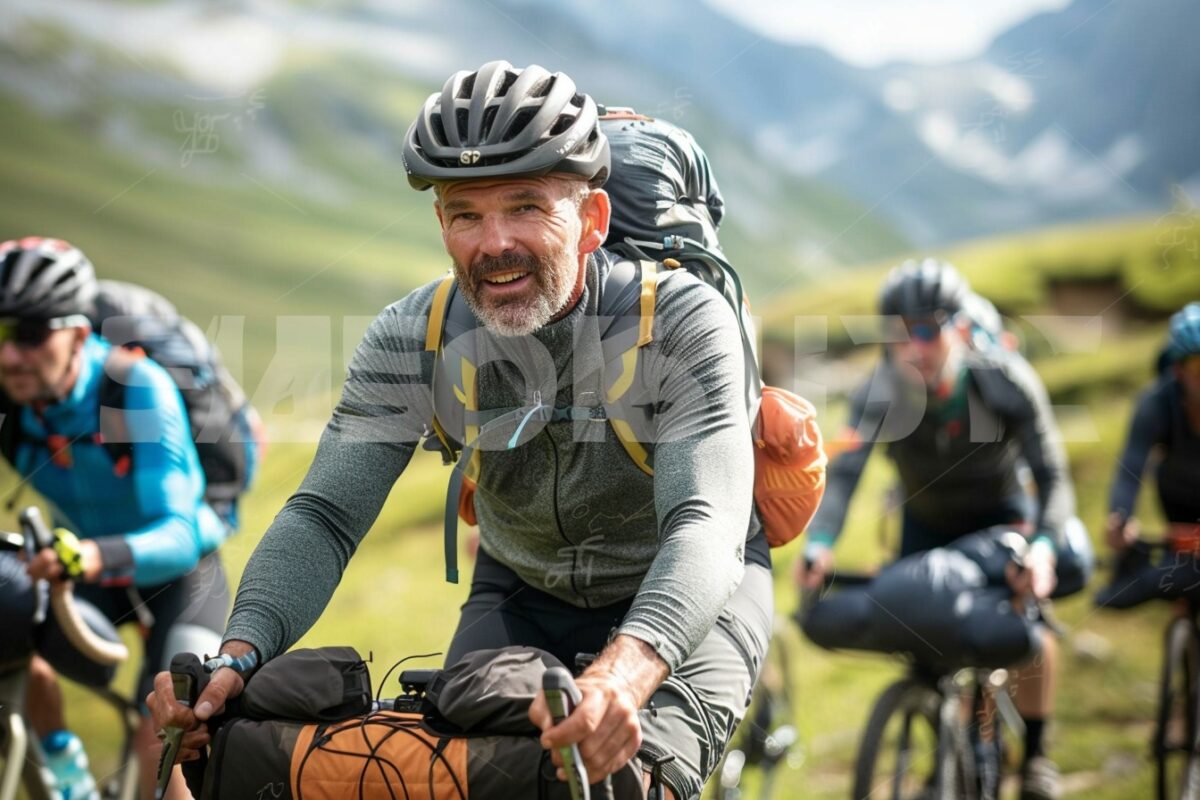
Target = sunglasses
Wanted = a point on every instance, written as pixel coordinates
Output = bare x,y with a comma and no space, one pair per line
31,333
926,331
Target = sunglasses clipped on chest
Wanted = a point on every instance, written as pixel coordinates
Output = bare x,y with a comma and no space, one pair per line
29,333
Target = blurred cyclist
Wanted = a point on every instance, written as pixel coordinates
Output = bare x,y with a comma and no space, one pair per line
135,532
958,423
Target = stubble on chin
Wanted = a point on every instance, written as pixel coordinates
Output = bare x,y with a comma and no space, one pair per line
518,316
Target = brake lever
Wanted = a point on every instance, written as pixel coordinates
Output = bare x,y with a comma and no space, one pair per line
562,696
188,679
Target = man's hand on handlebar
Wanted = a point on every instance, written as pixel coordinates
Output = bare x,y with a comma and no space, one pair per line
605,725
1121,532
167,712
1036,575
813,566
68,554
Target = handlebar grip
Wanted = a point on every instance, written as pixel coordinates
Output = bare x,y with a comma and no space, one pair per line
37,533
562,696
187,679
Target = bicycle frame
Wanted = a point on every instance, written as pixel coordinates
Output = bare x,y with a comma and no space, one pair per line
1181,661
24,761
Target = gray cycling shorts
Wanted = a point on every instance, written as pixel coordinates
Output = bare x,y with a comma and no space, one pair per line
693,715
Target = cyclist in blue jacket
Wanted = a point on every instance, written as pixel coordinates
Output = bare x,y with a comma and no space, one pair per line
134,531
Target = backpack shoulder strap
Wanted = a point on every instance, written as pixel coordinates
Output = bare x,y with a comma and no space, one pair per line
434,334
447,315
10,431
435,327
114,429
630,291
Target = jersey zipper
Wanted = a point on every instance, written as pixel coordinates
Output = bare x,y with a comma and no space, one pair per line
558,518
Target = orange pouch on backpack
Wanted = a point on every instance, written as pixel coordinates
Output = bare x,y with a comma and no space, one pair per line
789,464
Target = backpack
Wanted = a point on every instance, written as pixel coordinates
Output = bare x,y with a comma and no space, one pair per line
984,327
666,209
225,427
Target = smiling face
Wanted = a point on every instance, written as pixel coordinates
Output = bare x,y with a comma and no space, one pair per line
518,246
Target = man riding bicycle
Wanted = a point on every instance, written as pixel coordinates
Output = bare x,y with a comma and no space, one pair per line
958,421
665,576
1166,422
135,533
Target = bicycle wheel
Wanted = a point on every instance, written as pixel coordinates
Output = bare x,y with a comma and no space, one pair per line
897,757
1175,732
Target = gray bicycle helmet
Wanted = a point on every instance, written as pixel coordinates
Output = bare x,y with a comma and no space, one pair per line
44,278
499,122
924,288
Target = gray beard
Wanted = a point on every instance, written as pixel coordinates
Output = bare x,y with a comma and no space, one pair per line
555,283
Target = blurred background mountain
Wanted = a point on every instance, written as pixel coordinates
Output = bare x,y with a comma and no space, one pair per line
290,116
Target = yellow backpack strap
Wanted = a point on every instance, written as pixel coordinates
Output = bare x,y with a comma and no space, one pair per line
433,343
650,276
437,313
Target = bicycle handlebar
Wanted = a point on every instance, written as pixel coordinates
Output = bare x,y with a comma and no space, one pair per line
562,695
35,537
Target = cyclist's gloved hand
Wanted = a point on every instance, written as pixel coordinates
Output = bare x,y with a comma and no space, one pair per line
815,563
67,558
1038,577
1121,532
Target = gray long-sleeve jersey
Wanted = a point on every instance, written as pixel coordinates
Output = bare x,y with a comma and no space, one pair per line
573,518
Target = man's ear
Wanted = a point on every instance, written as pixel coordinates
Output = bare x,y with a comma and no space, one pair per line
596,211
82,333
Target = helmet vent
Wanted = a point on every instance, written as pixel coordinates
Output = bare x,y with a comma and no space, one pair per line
561,125
541,88
519,122
435,127
466,87
510,78
462,116
489,118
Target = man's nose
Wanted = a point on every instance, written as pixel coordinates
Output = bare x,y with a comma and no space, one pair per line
496,236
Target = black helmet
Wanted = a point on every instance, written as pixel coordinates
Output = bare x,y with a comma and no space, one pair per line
500,122
923,289
44,278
